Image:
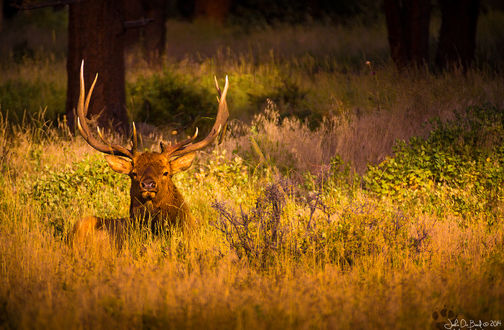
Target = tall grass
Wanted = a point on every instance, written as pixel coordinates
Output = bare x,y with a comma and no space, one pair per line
342,257
309,72
307,219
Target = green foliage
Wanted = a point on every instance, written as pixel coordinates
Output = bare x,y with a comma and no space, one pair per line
339,177
219,171
85,184
169,98
251,89
20,96
458,168
290,98
230,172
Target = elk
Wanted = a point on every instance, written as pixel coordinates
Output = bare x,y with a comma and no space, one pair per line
154,198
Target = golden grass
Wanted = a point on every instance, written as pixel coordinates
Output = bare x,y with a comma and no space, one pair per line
198,282
391,267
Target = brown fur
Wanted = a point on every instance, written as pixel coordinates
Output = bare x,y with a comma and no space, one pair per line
168,206
162,209
92,229
154,199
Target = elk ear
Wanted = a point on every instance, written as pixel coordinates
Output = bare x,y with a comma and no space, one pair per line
182,163
119,164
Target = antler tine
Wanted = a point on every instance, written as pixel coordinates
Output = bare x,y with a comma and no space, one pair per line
83,104
100,135
134,140
169,149
186,147
82,109
218,88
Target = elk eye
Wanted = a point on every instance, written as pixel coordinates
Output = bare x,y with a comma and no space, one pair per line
166,173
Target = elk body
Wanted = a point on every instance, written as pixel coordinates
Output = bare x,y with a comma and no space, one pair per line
154,199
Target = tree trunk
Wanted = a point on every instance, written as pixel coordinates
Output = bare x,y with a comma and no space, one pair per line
95,34
153,35
133,10
154,38
408,31
1,14
457,36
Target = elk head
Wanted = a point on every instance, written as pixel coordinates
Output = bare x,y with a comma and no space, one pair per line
152,192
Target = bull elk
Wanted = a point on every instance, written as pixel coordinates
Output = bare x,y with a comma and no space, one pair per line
153,196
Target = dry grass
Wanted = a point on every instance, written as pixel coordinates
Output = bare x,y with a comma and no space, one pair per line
194,282
398,107
375,264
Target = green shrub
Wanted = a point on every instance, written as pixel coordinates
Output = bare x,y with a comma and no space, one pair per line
230,172
168,98
291,100
459,167
339,177
88,183
20,96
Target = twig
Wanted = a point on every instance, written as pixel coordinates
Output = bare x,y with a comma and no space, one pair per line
134,24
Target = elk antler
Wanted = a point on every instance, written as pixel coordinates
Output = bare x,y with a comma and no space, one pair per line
187,146
103,146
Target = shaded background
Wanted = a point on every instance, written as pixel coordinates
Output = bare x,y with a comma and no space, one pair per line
311,59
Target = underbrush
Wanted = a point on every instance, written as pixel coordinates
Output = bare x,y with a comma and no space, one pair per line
167,98
457,169
310,72
278,246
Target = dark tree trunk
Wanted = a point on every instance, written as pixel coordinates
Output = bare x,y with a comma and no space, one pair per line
95,34
408,31
457,37
1,14
153,34
133,10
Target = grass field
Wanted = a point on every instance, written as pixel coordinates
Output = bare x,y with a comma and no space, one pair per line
381,208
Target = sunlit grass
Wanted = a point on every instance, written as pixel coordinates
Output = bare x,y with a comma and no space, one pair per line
347,254
361,262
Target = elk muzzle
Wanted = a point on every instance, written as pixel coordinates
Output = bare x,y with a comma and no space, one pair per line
148,188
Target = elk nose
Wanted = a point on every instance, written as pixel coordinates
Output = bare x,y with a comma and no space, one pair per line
148,184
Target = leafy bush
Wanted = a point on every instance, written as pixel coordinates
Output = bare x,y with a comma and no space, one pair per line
291,100
84,184
459,167
168,98
230,172
20,96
